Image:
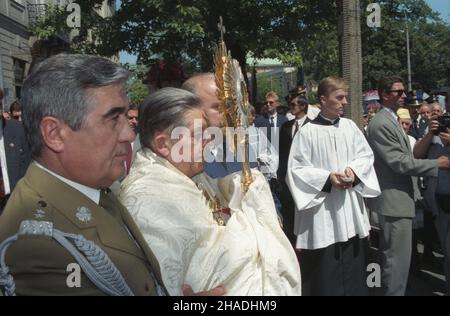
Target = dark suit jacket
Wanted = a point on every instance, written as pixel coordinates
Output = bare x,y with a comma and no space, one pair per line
16,150
220,169
285,148
418,132
264,121
287,202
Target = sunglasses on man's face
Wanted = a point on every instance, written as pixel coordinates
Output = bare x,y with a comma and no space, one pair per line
270,102
398,92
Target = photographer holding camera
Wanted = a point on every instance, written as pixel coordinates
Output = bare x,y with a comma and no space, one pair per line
438,132
436,143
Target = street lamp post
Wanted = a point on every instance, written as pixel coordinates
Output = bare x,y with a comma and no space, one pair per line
408,54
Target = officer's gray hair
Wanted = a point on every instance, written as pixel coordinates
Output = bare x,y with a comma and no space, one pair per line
164,110
59,87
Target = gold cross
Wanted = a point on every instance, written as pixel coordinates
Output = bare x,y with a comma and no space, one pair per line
221,28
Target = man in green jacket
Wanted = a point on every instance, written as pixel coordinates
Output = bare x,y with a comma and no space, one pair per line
62,231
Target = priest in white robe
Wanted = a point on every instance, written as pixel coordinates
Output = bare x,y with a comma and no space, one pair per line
330,172
241,248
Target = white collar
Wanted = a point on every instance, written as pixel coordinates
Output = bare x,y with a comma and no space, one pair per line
91,193
274,115
329,120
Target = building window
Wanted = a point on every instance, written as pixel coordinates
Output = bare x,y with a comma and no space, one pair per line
21,2
19,75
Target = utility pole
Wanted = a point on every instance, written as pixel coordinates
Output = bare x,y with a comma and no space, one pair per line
408,54
349,29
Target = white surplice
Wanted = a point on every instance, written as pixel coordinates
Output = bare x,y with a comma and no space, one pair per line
321,218
248,256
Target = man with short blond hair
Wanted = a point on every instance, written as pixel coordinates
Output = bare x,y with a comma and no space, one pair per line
330,172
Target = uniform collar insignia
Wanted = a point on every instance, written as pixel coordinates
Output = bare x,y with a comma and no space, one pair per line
38,214
84,214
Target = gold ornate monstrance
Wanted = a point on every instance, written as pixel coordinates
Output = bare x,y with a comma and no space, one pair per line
233,95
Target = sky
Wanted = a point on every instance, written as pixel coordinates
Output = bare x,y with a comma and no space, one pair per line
441,6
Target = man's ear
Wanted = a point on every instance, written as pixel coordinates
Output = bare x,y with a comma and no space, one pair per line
322,100
161,144
52,133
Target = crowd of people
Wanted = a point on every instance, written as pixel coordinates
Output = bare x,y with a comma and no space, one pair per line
145,200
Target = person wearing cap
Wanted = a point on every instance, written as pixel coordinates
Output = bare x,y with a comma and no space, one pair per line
395,165
404,118
419,122
296,92
299,108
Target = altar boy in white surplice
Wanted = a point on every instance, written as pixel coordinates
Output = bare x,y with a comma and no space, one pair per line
245,251
330,172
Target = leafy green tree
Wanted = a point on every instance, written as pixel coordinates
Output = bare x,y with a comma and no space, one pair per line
53,22
384,49
96,35
187,30
137,91
300,32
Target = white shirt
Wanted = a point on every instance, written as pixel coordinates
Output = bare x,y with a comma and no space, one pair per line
290,116
436,139
3,163
313,111
394,115
91,193
275,118
266,154
412,142
300,123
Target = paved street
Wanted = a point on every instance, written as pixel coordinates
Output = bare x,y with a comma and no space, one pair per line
428,279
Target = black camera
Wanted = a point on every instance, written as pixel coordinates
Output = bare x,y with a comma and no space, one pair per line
444,123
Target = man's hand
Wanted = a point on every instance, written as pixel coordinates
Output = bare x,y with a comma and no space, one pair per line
445,137
444,162
336,180
350,174
218,291
433,126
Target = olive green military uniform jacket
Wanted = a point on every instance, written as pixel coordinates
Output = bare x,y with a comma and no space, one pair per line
39,264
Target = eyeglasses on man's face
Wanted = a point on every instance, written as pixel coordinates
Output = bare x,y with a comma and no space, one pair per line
399,92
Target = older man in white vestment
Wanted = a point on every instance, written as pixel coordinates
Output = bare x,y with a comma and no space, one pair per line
330,171
246,252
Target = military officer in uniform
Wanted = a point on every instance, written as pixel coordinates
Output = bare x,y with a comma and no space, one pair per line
61,218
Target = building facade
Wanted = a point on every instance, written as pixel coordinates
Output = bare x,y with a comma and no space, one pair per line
15,55
19,50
